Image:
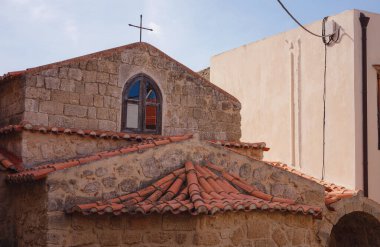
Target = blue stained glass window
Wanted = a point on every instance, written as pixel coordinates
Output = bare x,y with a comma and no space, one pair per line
134,91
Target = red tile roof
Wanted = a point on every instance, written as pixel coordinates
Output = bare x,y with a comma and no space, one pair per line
40,172
10,161
333,192
26,126
12,75
198,190
120,49
243,145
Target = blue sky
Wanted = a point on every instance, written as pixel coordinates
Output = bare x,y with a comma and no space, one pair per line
37,32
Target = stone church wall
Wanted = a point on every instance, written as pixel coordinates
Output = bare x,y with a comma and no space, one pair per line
11,101
6,233
86,93
28,214
255,228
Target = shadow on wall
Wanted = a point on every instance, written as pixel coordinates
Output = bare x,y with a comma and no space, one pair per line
357,229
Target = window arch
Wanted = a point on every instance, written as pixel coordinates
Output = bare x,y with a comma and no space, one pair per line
142,106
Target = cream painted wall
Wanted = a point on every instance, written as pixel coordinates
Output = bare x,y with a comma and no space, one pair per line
279,81
373,57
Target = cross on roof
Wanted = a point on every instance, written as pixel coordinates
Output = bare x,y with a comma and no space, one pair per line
141,27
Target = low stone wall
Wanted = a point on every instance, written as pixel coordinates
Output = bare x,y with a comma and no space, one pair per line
37,147
255,228
11,101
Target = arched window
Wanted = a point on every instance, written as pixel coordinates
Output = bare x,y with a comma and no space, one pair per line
142,104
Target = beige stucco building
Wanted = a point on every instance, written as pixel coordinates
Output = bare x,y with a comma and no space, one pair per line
280,83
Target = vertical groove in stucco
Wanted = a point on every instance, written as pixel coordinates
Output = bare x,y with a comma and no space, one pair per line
357,96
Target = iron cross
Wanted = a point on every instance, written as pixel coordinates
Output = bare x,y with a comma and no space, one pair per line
141,27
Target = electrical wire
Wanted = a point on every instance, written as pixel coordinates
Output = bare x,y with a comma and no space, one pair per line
307,30
324,114
327,40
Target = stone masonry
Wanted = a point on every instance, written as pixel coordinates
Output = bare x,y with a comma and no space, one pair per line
86,93
107,178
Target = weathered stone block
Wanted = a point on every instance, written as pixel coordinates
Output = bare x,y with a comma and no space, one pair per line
279,237
128,185
98,101
36,118
160,237
206,238
91,88
52,83
107,66
75,74
132,237
237,236
75,110
63,72
113,91
102,113
102,77
258,229
51,107
37,93
180,222
67,85
93,124
56,120
86,99
107,125
65,97
109,238
91,187
102,89
143,222
31,105
89,76
109,182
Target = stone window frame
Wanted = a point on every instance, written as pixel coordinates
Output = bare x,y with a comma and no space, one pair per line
142,105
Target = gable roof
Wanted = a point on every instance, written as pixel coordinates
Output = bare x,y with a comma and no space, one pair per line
241,145
9,161
333,192
197,190
42,171
112,51
105,134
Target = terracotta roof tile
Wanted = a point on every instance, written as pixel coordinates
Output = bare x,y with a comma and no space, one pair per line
333,192
39,172
12,75
246,145
26,126
196,189
10,161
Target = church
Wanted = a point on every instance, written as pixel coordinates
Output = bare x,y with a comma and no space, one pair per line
128,147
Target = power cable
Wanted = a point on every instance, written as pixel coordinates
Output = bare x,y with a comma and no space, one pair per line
307,30
327,40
